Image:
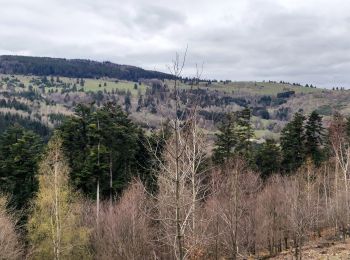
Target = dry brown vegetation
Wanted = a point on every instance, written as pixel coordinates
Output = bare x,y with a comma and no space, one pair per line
124,230
239,217
11,247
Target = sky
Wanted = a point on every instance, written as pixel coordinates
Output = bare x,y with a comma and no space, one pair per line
304,41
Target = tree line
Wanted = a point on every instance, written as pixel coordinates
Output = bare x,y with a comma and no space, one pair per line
300,139
76,68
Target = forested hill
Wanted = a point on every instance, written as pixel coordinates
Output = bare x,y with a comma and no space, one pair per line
75,68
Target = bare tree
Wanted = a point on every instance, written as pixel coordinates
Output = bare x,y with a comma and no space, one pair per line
271,217
10,244
233,207
341,149
181,189
125,230
180,180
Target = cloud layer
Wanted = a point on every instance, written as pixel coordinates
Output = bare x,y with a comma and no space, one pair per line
291,40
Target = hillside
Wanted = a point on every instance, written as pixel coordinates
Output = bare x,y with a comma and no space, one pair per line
45,90
101,142
47,99
77,68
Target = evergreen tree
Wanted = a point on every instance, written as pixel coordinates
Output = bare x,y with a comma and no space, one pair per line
234,137
103,146
244,133
127,102
314,137
268,158
293,143
226,140
19,153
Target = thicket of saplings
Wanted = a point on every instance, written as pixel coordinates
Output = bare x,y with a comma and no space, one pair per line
103,189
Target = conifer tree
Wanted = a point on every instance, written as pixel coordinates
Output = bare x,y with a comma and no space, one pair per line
244,133
268,158
234,137
226,139
293,143
314,134
103,145
19,153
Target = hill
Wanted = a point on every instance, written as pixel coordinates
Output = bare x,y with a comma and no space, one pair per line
42,102
47,99
75,68
45,90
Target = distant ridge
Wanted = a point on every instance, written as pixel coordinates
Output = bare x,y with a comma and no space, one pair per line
74,68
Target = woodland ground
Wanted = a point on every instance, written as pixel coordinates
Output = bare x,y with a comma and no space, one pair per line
325,248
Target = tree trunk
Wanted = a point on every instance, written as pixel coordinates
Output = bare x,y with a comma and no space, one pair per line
57,243
336,193
98,202
177,180
110,179
286,242
98,178
193,166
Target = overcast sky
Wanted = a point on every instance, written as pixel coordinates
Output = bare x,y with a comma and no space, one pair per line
305,41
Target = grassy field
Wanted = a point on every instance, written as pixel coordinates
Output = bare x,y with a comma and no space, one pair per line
261,88
91,84
99,84
252,88
235,87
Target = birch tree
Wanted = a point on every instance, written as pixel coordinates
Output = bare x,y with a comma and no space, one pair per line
54,228
180,176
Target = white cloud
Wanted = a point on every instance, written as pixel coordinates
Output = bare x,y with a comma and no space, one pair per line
293,40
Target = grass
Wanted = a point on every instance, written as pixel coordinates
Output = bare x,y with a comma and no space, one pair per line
90,84
94,85
235,87
260,88
263,134
98,84
251,87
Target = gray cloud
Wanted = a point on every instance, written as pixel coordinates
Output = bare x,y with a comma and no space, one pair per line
293,40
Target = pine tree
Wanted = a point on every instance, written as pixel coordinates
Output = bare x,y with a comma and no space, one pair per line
268,158
244,133
226,140
293,143
19,153
127,101
103,145
234,137
314,134
54,229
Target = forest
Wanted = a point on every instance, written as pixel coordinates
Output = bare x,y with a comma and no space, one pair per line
100,186
44,66
162,130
